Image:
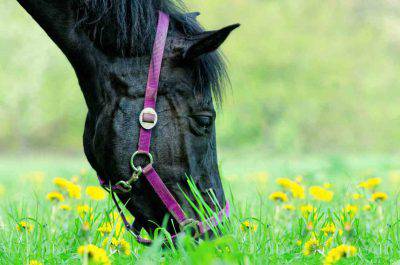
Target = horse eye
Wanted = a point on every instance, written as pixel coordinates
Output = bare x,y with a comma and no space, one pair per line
203,120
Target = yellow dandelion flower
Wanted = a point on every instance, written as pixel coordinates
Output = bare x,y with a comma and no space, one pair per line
278,196
65,207
118,245
289,207
367,208
115,216
83,210
24,226
329,229
336,254
307,210
105,228
297,191
351,210
284,182
379,197
295,188
357,196
320,193
290,185
119,229
35,262
96,193
124,246
248,226
74,191
61,182
370,183
312,246
55,196
94,255
105,242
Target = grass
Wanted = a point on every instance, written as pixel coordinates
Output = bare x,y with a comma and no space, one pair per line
260,231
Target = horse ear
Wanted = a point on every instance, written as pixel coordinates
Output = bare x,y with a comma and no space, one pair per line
207,42
192,15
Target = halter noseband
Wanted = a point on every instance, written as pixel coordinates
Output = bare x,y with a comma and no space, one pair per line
148,120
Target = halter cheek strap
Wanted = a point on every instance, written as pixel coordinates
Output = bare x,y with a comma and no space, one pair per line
148,120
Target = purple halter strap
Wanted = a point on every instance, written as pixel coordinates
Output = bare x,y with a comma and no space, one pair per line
148,119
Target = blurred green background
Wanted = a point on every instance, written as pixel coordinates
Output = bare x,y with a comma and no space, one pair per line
307,77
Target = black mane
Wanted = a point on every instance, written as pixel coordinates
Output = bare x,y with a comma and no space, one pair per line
134,29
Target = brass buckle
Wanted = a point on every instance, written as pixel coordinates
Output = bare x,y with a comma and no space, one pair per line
192,225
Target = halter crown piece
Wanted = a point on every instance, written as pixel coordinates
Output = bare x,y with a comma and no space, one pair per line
148,120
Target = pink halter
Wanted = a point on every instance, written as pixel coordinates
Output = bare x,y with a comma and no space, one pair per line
148,120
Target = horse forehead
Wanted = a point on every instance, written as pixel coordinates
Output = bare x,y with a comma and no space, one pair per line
130,75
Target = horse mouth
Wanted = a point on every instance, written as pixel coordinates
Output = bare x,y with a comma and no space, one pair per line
151,211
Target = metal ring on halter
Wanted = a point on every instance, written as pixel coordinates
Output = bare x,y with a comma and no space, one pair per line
137,153
126,186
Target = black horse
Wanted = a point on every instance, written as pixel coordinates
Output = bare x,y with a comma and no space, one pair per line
108,43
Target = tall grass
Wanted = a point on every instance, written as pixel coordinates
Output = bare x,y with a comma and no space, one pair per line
259,230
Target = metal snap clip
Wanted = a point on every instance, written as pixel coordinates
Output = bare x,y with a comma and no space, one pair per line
190,226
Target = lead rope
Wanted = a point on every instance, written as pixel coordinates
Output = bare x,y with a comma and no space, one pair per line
128,226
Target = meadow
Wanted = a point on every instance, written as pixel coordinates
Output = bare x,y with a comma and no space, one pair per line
307,210
309,78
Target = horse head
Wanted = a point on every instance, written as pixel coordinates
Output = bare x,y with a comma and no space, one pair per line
109,44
